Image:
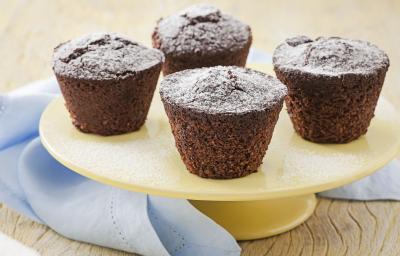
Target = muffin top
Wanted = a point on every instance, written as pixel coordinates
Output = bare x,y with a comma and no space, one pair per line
103,56
332,56
200,29
222,90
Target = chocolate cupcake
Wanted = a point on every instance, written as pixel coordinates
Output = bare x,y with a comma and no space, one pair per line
333,85
108,82
222,118
201,36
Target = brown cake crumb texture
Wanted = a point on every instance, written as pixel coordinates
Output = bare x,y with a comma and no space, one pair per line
222,118
333,85
201,36
107,81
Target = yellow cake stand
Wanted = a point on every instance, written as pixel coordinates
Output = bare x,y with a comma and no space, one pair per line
277,198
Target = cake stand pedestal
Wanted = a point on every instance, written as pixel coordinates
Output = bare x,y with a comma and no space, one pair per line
247,220
277,198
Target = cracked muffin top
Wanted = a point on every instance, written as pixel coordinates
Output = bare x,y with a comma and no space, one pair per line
331,56
222,90
102,56
200,29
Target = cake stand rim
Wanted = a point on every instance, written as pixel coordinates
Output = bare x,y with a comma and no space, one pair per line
204,196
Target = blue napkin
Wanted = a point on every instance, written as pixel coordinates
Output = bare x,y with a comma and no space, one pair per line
382,185
36,185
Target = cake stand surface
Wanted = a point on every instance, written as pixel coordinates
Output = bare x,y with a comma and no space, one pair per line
277,198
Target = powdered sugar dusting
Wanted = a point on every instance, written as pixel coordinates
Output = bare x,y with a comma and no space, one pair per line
329,56
201,29
222,89
103,56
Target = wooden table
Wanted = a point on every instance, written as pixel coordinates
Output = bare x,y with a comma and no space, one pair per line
29,30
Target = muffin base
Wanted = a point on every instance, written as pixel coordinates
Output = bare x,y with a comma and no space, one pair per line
221,146
327,109
174,64
110,107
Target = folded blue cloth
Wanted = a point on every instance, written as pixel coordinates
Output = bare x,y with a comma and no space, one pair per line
382,185
36,185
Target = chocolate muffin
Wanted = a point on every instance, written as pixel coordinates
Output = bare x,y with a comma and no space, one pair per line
222,118
333,85
108,82
201,36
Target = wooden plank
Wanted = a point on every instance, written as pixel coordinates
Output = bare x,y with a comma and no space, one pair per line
336,228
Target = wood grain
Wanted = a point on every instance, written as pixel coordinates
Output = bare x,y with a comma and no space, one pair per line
336,228
30,29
